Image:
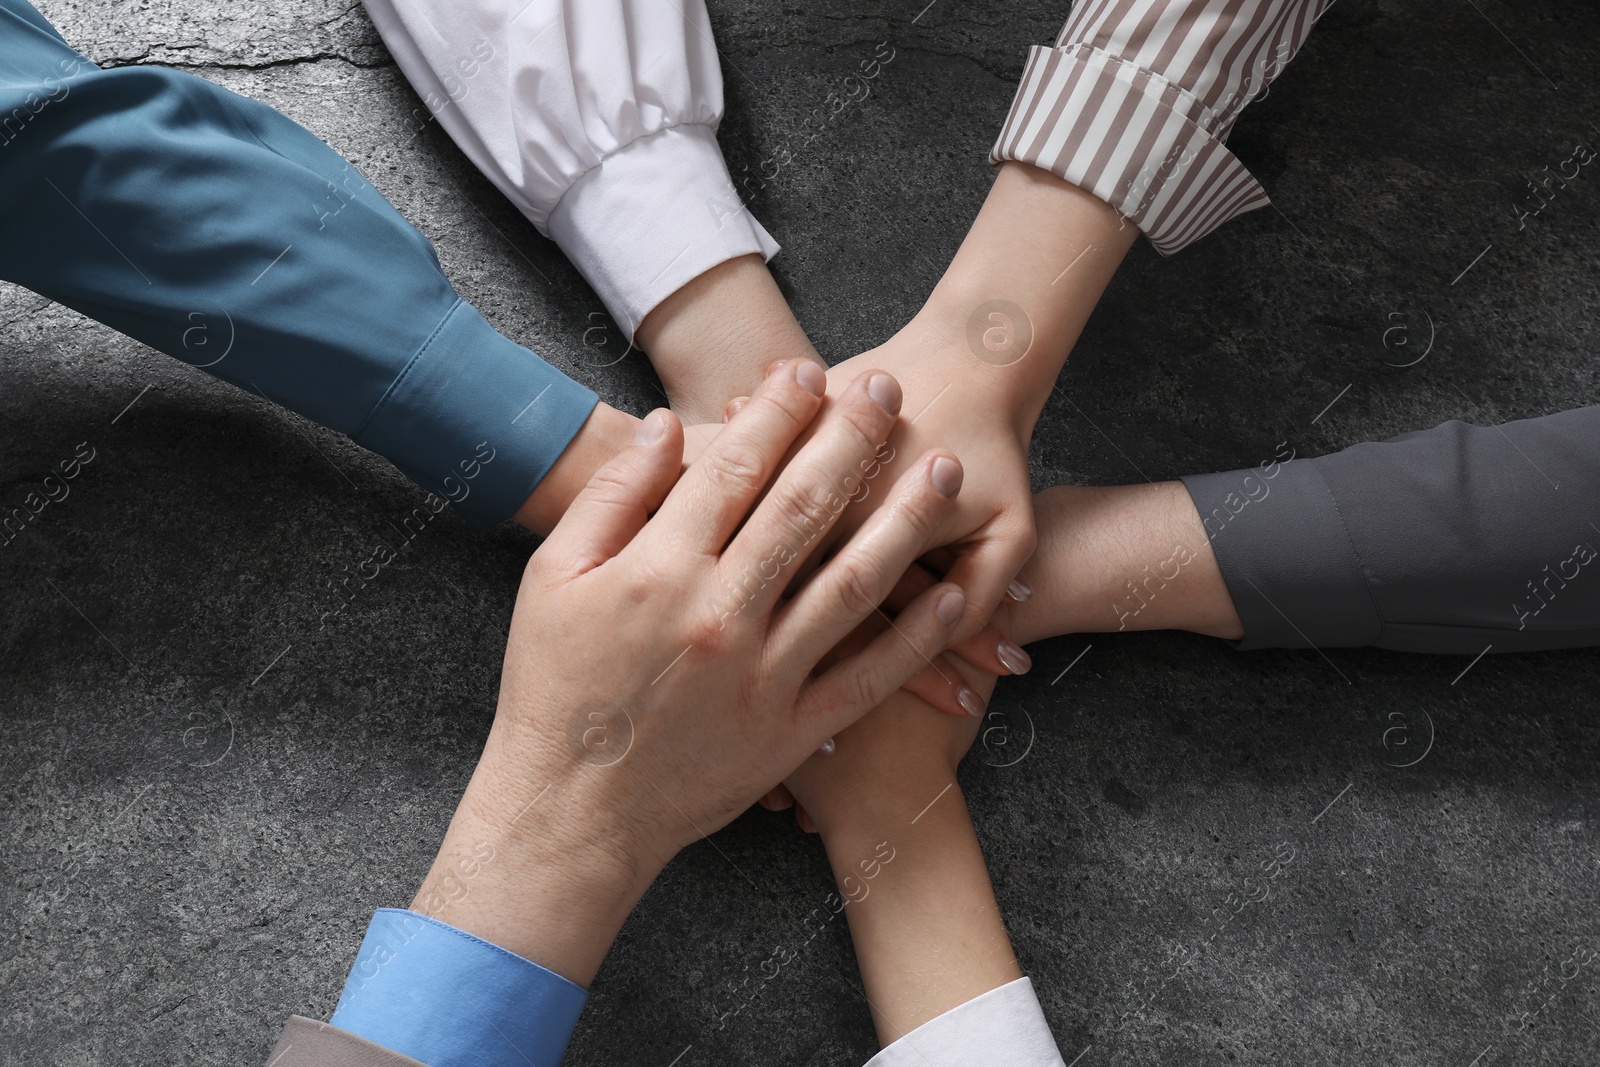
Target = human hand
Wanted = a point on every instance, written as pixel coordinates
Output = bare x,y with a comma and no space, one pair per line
943,682
655,681
923,919
939,682
1109,558
953,401
981,357
889,764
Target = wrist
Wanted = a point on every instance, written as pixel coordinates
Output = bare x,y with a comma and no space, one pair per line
527,865
852,820
922,914
606,432
961,336
713,339
1026,278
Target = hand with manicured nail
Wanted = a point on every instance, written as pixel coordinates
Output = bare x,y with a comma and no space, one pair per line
938,683
901,751
990,651
658,680
990,534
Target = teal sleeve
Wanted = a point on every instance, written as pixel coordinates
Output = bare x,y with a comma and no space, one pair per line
214,229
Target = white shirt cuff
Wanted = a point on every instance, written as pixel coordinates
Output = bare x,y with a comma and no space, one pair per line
1003,1026
650,217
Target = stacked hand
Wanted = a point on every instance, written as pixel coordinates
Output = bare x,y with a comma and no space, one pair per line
927,931
951,401
593,777
885,766
954,401
738,617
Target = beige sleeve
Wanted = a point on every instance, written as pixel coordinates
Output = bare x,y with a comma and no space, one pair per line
308,1043
1135,100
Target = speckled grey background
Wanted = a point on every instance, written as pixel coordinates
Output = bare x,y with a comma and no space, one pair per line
204,794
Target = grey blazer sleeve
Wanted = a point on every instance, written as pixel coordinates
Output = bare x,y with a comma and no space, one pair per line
1450,540
308,1043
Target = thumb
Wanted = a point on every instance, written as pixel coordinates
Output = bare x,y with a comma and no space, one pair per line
619,498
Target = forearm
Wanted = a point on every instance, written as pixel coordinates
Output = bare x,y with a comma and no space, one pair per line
1127,557
1024,283
550,895
488,966
928,934
713,339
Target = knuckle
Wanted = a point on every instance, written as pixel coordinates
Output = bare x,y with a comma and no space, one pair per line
644,584
790,402
863,688
735,467
920,509
809,508
857,586
863,420
613,484
914,515
707,632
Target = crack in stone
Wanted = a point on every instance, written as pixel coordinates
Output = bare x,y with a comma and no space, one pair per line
28,314
342,15
143,60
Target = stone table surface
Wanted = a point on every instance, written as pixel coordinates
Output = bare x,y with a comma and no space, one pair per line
205,793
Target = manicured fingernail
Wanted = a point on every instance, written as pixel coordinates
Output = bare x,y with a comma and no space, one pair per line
651,430
775,366
970,701
1019,591
946,475
885,392
1016,661
950,607
811,377
827,747
735,406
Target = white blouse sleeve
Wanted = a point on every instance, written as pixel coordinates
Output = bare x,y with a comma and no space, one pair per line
1003,1026
598,119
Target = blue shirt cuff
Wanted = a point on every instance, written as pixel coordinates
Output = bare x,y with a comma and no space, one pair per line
476,418
426,990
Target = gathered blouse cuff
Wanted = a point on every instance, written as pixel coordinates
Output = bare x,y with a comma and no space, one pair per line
652,216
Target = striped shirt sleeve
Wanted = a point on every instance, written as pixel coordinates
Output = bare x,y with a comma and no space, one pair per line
1135,100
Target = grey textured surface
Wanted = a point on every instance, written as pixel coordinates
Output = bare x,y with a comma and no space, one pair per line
204,794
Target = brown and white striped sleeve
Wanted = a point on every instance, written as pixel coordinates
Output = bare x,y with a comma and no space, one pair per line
1135,99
